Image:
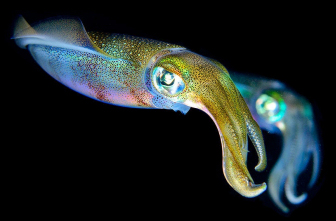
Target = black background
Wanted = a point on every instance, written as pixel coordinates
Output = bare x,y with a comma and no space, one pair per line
65,152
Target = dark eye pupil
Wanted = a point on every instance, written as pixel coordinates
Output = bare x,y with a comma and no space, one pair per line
167,78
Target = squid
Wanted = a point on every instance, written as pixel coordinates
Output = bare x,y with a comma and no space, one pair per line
142,73
279,110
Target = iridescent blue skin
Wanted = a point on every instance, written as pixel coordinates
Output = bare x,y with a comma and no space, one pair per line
277,109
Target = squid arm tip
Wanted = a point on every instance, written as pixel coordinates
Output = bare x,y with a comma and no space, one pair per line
261,166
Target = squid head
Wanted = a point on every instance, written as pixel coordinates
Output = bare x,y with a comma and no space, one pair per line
187,78
144,73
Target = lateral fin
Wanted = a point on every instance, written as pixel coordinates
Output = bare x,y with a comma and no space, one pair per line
64,32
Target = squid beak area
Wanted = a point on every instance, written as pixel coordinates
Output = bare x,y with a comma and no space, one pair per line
222,101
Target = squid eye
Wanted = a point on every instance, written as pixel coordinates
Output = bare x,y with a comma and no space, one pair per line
271,106
166,82
167,78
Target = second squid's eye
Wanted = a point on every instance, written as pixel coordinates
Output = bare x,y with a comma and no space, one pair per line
271,106
166,82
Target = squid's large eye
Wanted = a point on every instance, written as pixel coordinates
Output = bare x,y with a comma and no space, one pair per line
166,82
167,78
271,106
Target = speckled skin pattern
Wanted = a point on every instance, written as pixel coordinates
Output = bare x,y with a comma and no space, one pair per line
122,70
138,52
210,88
113,78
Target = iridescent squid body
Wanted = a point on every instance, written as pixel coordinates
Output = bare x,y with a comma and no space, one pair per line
143,73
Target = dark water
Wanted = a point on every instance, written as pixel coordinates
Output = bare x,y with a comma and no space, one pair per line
67,152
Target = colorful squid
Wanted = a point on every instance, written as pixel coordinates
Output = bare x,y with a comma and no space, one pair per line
280,110
142,73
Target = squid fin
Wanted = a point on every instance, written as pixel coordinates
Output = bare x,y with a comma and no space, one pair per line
63,32
22,29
